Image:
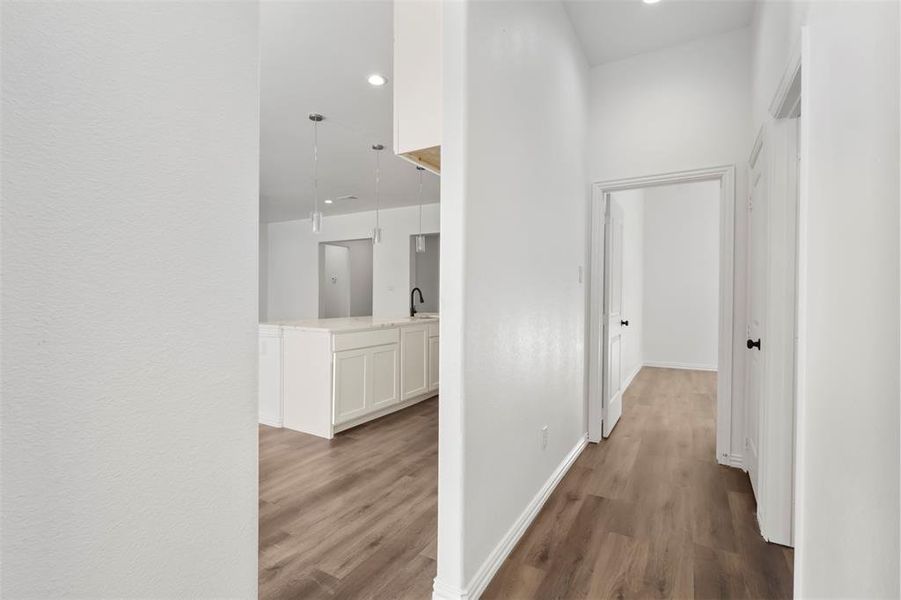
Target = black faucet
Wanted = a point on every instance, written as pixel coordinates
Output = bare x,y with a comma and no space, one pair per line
413,306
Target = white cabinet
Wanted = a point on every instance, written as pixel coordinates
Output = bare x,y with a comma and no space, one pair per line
270,376
365,380
433,363
385,375
414,369
417,82
352,378
320,381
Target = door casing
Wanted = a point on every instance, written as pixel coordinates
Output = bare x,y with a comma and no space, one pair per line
595,334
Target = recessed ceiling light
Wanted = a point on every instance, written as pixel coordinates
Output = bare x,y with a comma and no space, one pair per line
328,200
650,1
377,80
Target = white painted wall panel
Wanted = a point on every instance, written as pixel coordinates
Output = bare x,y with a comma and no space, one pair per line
512,347
681,275
130,150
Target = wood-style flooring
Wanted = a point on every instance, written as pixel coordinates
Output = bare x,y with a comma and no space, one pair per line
351,517
648,513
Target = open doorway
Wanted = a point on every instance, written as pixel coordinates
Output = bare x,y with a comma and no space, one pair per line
345,279
608,377
662,287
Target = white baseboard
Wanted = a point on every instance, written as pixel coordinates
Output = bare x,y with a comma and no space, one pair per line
441,591
674,365
270,421
631,377
733,460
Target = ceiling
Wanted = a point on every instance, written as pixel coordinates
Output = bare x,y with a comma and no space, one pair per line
315,57
616,29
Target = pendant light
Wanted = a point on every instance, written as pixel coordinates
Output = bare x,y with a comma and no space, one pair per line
376,233
420,239
316,215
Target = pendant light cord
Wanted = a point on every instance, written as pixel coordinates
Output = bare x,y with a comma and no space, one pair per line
378,177
420,200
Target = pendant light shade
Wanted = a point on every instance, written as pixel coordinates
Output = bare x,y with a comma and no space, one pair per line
316,215
376,232
420,239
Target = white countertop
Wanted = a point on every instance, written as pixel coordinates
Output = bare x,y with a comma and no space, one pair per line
353,323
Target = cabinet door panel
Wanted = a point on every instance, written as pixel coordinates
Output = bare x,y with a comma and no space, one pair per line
384,367
351,383
433,364
414,372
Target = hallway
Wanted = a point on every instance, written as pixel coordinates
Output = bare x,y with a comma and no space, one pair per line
649,513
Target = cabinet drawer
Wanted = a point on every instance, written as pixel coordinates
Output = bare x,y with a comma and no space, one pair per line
364,339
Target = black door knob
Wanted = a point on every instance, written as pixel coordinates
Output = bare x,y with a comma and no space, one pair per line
624,323
754,343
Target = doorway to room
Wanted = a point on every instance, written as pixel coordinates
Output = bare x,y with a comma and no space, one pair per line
345,278
609,333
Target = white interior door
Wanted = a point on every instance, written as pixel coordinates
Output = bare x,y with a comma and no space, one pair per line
757,294
613,303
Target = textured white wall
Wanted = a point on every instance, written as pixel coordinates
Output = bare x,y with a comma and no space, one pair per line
129,301
293,273
847,487
686,107
515,190
681,275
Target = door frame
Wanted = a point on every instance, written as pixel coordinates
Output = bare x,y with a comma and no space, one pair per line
595,336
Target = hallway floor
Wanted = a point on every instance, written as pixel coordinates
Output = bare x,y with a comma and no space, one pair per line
353,517
648,513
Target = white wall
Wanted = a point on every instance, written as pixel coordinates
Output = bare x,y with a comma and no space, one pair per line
514,196
686,107
130,152
263,266
681,275
293,274
632,203
847,527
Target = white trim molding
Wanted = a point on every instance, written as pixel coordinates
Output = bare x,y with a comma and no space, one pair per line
735,460
270,421
725,174
476,586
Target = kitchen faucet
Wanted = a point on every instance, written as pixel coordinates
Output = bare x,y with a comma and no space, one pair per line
413,306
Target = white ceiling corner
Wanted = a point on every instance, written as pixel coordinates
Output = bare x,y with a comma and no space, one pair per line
612,30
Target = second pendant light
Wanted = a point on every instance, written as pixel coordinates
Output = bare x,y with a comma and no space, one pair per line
376,232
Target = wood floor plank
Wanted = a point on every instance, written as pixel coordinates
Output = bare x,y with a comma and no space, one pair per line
659,517
646,514
351,517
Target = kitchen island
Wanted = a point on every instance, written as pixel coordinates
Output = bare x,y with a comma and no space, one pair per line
322,376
